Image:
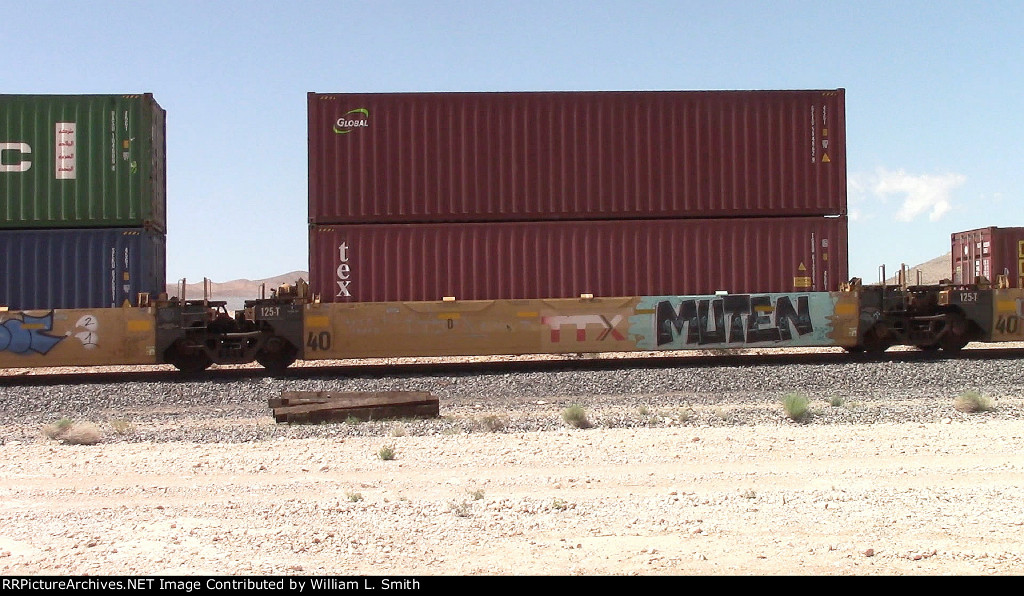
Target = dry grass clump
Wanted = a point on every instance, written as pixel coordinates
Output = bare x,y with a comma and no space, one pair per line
387,453
492,423
462,509
122,427
55,430
970,402
576,417
70,432
796,406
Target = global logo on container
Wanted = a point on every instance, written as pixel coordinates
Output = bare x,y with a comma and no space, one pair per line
352,120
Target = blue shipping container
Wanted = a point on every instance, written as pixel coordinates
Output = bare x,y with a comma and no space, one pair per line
80,268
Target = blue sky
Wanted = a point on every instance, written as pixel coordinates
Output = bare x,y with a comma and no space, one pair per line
934,97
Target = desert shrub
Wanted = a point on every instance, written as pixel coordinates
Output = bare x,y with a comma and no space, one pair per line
386,453
70,432
82,433
492,423
73,433
56,430
972,401
122,427
575,416
796,406
679,415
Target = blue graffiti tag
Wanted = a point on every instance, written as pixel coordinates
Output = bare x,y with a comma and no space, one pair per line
733,320
27,335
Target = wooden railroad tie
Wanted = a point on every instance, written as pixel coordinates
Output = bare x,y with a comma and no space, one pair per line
306,407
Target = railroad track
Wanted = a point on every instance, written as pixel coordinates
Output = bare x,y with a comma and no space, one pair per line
380,369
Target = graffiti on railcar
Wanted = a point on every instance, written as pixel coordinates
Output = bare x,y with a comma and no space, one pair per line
735,320
25,334
87,331
604,327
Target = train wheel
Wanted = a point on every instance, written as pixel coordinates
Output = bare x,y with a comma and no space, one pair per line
955,337
277,355
188,358
876,340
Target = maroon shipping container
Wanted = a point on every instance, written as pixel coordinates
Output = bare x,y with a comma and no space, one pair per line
563,259
432,157
989,252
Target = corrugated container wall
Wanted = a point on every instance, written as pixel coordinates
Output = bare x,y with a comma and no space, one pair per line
80,268
82,161
989,252
432,157
475,261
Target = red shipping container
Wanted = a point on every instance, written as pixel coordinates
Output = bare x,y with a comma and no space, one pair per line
564,259
434,157
988,252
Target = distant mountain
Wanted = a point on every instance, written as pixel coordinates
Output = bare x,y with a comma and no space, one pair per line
239,289
931,271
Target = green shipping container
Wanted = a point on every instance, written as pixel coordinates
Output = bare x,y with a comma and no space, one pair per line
82,161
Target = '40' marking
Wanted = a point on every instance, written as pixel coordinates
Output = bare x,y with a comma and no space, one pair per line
1008,324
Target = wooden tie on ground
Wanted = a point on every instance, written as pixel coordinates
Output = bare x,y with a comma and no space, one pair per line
338,406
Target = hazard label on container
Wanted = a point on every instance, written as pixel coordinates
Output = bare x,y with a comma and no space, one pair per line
65,162
801,282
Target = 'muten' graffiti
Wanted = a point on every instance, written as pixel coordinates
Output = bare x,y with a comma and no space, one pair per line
734,319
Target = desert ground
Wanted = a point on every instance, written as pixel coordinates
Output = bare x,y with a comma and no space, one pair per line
893,481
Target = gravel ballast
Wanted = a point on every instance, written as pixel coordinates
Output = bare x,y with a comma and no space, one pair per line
685,470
